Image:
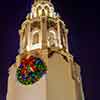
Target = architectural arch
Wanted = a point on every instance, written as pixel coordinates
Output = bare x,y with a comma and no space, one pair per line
52,38
35,37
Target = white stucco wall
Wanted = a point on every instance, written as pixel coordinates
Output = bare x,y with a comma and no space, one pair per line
57,85
61,86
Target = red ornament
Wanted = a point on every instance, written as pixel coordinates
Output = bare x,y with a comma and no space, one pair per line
23,71
33,68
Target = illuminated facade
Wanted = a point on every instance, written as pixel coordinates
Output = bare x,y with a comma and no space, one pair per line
44,68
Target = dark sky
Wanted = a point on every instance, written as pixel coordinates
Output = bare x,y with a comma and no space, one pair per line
84,38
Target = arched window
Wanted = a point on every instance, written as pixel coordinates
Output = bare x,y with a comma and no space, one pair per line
43,12
35,38
39,12
52,40
47,10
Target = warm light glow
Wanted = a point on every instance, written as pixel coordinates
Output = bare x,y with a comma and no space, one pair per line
36,46
34,32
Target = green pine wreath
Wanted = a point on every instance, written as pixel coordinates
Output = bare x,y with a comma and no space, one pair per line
30,70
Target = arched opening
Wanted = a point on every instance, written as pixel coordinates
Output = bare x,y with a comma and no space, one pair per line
39,12
35,38
47,10
52,39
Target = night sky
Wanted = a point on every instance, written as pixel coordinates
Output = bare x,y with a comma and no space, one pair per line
84,39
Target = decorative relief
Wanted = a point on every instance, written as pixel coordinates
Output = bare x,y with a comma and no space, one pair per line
76,72
66,55
52,39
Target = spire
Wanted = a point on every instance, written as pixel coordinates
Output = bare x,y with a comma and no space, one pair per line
42,0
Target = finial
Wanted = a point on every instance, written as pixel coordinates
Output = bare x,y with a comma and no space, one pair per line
42,0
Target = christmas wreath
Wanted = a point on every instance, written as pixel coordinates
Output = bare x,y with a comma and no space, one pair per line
30,70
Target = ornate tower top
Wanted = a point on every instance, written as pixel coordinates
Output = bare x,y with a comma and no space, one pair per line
43,28
42,8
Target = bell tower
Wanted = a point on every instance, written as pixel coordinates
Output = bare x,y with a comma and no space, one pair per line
44,68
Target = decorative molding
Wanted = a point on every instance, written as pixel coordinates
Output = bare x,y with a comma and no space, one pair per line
76,72
66,55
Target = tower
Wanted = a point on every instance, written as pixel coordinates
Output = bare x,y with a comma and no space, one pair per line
44,68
